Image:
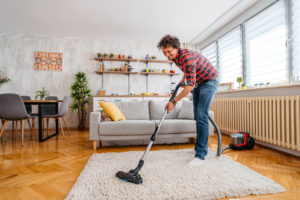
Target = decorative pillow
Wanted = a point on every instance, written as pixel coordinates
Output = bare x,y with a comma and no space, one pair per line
112,110
105,117
187,110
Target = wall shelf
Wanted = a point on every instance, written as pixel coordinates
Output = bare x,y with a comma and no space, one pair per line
159,73
155,61
115,72
117,59
147,61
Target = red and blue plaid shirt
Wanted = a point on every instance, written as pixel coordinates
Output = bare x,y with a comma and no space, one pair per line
196,67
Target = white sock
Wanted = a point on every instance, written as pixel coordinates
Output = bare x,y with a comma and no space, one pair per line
195,162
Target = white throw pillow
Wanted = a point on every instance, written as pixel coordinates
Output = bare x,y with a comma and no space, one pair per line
187,110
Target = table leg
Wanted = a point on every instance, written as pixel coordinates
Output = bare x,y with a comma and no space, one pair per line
56,120
40,123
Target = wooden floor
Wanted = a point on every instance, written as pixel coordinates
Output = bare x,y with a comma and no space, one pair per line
48,170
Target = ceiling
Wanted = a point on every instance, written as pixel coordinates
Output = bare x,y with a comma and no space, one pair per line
146,20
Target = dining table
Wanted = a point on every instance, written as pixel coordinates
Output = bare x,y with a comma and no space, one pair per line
39,103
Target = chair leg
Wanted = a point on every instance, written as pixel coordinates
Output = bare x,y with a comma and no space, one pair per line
13,127
29,123
33,125
66,126
61,128
2,121
30,126
22,127
47,119
3,127
16,128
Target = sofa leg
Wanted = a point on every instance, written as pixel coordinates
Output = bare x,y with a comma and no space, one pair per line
95,144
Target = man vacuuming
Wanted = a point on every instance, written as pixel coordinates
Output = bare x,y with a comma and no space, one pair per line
201,78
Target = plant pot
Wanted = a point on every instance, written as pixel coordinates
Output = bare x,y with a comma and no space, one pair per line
81,127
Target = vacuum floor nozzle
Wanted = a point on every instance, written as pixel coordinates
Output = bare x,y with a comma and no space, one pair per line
130,177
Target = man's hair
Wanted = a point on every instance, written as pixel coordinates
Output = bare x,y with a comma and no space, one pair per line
169,41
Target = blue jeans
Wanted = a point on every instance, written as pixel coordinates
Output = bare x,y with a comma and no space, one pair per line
203,95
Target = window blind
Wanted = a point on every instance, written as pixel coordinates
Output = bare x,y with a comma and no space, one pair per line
230,56
266,54
210,52
296,39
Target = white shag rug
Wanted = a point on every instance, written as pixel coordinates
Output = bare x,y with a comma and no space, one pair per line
166,175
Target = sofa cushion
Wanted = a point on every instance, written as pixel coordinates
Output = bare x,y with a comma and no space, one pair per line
177,126
134,110
186,110
157,109
127,127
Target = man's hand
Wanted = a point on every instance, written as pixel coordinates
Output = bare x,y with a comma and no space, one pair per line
169,106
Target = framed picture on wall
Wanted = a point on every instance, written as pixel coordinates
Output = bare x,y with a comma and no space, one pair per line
48,61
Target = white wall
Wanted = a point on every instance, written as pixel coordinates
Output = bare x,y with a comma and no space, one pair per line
17,60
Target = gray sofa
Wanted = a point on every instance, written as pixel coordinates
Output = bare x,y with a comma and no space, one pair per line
141,119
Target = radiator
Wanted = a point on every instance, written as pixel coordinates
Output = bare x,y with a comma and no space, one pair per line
274,120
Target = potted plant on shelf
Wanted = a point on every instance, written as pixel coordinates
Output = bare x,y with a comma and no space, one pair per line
239,80
244,87
81,95
3,78
42,94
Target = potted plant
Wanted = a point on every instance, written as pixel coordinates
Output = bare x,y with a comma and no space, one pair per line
81,95
3,78
99,55
239,80
105,55
111,55
42,94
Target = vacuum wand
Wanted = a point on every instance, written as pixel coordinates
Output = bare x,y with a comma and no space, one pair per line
133,176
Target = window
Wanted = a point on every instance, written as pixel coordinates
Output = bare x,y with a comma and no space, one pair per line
210,52
266,53
230,57
296,39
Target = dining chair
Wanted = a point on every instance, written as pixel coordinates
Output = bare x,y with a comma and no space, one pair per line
12,108
48,109
60,115
32,115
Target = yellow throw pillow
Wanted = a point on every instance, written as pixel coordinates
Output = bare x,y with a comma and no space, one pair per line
112,110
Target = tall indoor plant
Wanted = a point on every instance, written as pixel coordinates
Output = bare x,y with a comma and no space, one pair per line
81,95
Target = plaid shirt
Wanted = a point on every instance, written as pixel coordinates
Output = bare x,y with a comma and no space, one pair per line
196,67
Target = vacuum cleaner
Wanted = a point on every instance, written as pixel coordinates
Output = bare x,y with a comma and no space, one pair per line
133,175
240,141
